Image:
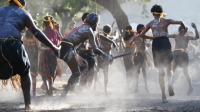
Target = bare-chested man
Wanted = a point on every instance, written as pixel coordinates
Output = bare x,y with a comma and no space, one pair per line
140,56
73,39
88,54
181,54
106,47
13,58
129,35
161,46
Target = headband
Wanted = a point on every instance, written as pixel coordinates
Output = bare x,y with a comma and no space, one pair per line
50,23
161,14
17,2
139,30
129,31
106,33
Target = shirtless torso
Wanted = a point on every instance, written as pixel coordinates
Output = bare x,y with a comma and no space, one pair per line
160,28
161,47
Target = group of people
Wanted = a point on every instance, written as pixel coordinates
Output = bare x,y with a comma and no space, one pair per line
86,50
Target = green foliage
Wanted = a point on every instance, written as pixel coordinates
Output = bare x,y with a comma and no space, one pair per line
64,11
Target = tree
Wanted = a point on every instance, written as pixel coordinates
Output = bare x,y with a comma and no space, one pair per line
115,9
65,11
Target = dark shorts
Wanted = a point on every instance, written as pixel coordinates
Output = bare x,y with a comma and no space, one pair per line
67,52
13,52
32,52
64,50
128,59
162,53
89,56
181,58
139,59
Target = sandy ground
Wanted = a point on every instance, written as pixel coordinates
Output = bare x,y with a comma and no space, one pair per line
120,98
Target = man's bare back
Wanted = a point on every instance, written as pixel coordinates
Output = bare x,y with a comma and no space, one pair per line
140,43
181,40
80,35
160,28
12,19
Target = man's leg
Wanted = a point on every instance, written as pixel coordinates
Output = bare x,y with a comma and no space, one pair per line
26,88
33,75
91,65
50,80
91,77
128,66
83,79
174,69
76,72
188,77
170,80
96,76
105,71
136,79
45,85
145,75
162,84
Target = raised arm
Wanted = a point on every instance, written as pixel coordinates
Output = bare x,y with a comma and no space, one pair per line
122,44
40,35
171,21
116,35
196,33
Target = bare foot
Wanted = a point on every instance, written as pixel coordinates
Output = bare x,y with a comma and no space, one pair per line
190,90
27,108
63,94
164,101
171,91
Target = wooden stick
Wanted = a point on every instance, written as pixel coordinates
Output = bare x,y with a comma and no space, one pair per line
122,55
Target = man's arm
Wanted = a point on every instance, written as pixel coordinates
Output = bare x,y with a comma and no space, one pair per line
147,37
171,21
172,36
39,34
116,35
39,46
132,41
108,40
196,33
145,30
122,44
92,42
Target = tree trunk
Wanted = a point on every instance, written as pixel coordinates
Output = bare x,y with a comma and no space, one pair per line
115,9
